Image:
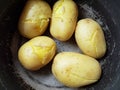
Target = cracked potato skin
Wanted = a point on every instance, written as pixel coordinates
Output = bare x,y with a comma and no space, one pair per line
35,18
90,38
64,19
37,52
75,69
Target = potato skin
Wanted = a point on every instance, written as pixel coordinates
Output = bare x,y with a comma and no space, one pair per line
34,18
75,70
64,19
90,38
37,52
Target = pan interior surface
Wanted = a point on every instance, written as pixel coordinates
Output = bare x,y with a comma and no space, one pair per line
13,76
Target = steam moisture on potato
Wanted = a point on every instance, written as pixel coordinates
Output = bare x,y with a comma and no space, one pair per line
75,70
90,38
34,18
64,19
37,52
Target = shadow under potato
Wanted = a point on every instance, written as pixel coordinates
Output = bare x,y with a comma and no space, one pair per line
14,77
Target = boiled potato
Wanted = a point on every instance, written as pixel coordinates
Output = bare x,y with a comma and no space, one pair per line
64,19
90,38
37,52
75,70
34,18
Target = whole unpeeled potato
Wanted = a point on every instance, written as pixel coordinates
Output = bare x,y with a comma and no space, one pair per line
75,70
90,38
37,52
34,18
64,19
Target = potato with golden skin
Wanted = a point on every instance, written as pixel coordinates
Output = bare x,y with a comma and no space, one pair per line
75,70
35,18
90,38
37,52
64,19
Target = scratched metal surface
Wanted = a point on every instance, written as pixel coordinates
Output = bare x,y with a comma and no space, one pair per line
14,77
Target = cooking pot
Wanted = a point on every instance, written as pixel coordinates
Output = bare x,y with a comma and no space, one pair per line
14,77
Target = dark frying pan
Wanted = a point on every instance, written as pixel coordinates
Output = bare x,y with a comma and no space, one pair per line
14,77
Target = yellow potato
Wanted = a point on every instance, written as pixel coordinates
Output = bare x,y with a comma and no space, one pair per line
64,19
37,52
34,18
75,70
90,38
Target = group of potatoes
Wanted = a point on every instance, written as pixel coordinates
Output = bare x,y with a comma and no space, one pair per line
70,68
